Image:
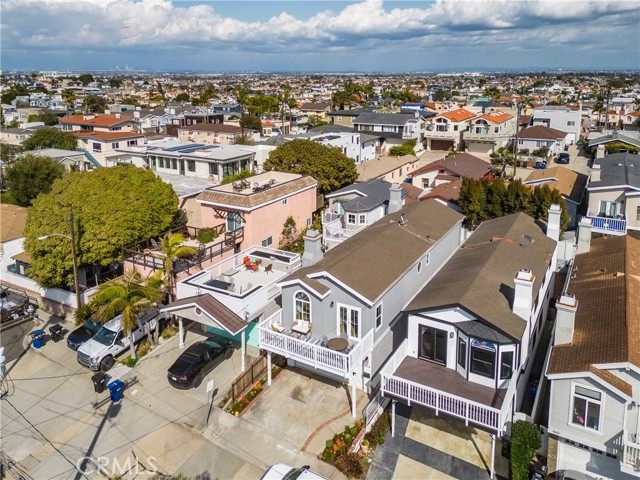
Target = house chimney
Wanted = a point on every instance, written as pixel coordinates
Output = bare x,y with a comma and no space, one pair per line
523,296
107,112
553,222
566,307
600,152
596,171
395,198
584,235
136,114
312,248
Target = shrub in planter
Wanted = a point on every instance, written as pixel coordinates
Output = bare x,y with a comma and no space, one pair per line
379,430
525,440
207,235
351,465
328,455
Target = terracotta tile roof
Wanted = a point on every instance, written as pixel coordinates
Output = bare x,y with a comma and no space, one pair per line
102,120
461,165
606,283
414,193
458,115
449,192
540,132
12,221
229,320
570,184
375,258
247,199
480,275
496,117
108,136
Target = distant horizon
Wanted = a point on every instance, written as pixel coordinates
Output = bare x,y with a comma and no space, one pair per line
368,36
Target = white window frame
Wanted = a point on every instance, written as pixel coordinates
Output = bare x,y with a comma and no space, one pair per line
267,242
309,221
378,316
355,218
362,219
587,399
295,305
97,147
349,308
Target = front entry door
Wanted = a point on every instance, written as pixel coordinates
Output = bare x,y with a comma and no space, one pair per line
433,344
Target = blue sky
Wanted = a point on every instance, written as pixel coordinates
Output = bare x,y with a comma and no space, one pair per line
369,35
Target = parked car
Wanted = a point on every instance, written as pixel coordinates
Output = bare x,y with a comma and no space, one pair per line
81,334
100,351
281,471
197,361
575,475
563,157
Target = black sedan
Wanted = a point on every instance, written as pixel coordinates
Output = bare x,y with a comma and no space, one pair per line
563,157
81,334
197,361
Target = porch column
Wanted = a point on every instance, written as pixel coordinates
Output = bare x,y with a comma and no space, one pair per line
353,396
393,418
244,348
269,368
493,454
180,333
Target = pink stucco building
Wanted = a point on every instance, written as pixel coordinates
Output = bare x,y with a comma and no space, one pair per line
259,206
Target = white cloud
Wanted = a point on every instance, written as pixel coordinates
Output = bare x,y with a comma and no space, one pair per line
109,25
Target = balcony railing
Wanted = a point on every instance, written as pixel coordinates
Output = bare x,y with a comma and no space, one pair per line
631,455
440,401
613,226
309,352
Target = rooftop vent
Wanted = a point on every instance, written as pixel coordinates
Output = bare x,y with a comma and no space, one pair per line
529,238
402,220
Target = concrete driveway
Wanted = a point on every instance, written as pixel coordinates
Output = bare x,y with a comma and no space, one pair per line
427,446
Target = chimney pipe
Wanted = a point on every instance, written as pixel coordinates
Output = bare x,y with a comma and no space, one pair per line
312,248
566,307
395,198
553,222
523,296
596,172
600,152
584,235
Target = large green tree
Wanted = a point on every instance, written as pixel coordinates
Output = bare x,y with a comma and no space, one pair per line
95,104
128,296
50,138
252,122
328,165
30,175
112,207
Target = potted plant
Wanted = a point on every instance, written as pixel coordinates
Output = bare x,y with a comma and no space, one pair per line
364,446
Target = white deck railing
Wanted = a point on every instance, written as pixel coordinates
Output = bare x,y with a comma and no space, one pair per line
309,353
614,226
631,455
440,401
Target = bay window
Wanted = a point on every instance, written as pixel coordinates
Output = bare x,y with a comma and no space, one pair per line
483,358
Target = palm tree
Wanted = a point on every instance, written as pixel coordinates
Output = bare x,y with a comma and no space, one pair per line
171,247
129,297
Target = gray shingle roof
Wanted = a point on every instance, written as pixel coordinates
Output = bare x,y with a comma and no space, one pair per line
618,169
479,277
372,194
375,258
372,118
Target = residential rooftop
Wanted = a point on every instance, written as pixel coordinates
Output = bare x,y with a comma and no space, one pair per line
569,183
618,169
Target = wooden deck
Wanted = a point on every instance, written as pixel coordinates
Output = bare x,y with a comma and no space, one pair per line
450,381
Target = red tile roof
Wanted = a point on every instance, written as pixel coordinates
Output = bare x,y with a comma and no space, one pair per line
101,120
496,117
459,115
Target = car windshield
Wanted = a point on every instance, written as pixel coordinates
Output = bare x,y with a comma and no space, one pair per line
91,326
105,336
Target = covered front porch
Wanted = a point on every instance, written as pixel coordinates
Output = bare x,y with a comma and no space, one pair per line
333,357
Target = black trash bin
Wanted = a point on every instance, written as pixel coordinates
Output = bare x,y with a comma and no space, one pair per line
57,333
100,382
506,446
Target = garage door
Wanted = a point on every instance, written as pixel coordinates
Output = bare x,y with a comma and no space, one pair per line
475,147
446,145
573,457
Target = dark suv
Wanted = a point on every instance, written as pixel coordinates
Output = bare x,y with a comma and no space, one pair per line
197,361
563,157
81,334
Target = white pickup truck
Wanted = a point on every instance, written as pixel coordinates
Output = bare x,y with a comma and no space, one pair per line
110,341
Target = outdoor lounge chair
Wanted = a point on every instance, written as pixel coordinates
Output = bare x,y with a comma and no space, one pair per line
250,266
268,268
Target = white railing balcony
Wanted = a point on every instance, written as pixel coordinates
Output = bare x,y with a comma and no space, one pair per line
440,401
330,217
612,226
308,350
630,461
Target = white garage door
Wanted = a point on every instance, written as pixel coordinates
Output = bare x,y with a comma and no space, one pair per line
475,147
572,457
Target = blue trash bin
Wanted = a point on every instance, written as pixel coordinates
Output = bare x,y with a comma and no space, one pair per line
37,338
116,390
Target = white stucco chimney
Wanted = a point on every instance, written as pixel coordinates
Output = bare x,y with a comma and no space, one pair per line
395,198
600,151
596,171
553,222
312,248
523,296
566,307
584,235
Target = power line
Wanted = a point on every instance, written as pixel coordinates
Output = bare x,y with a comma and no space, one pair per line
75,467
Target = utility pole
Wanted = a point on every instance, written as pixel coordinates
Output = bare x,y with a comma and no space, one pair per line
75,259
515,141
